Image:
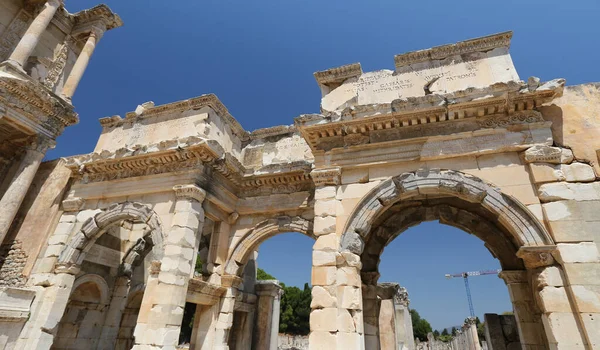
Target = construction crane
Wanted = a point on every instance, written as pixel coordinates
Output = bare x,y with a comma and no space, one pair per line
465,276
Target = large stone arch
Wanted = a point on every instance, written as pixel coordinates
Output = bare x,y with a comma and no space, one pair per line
515,219
261,232
73,254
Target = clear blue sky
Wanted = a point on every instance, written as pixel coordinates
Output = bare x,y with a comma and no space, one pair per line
259,56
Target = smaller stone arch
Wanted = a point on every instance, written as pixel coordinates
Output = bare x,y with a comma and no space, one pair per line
96,280
513,216
73,254
261,232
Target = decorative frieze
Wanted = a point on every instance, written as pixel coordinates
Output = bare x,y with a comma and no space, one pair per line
58,65
13,33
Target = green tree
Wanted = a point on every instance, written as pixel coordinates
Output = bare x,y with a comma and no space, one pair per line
261,275
445,332
454,331
420,325
295,310
436,334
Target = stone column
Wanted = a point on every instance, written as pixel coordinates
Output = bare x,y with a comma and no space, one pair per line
32,36
16,191
161,312
266,327
404,329
203,332
527,314
371,313
471,330
82,62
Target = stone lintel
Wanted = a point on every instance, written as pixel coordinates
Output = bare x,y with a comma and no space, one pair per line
192,191
387,290
204,293
480,44
339,74
537,256
268,287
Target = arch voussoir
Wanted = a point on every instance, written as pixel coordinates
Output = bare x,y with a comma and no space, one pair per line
509,213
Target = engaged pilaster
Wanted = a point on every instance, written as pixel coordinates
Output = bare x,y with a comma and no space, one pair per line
29,41
266,327
161,312
82,62
14,195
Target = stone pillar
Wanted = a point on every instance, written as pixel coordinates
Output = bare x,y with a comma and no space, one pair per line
226,312
266,327
473,337
161,312
527,313
47,311
404,329
371,314
32,36
205,320
336,320
16,191
82,62
112,321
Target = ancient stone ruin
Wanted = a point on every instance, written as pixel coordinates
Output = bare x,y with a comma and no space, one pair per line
98,250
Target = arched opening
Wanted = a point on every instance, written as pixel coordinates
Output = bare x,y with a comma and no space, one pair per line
255,310
509,231
81,323
113,250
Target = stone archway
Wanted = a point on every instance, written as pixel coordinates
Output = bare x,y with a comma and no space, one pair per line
74,253
260,233
510,231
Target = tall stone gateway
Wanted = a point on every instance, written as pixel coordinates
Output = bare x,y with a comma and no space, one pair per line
100,249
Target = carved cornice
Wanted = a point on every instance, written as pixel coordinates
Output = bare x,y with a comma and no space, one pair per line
482,44
39,105
273,131
326,177
339,74
208,100
190,192
504,105
100,13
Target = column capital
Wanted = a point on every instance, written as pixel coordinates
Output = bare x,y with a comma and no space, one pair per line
537,256
514,277
269,288
189,192
40,143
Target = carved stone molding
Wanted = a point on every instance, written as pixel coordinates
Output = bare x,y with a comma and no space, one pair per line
437,53
58,66
401,297
232,218
190,192
327,177
72,204
101,14
339,74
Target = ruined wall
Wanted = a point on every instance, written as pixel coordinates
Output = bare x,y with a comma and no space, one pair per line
281,148
501,332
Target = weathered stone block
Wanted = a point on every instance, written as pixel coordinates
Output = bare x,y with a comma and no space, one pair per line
323,276
563,331
321,298
554,299
319,340
348,276
585,252
347,341
324,225
583,273
587,298
323,258
326,207
324,320
569,191
578,172
328,241
327,192
359,175
550,276
349,297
